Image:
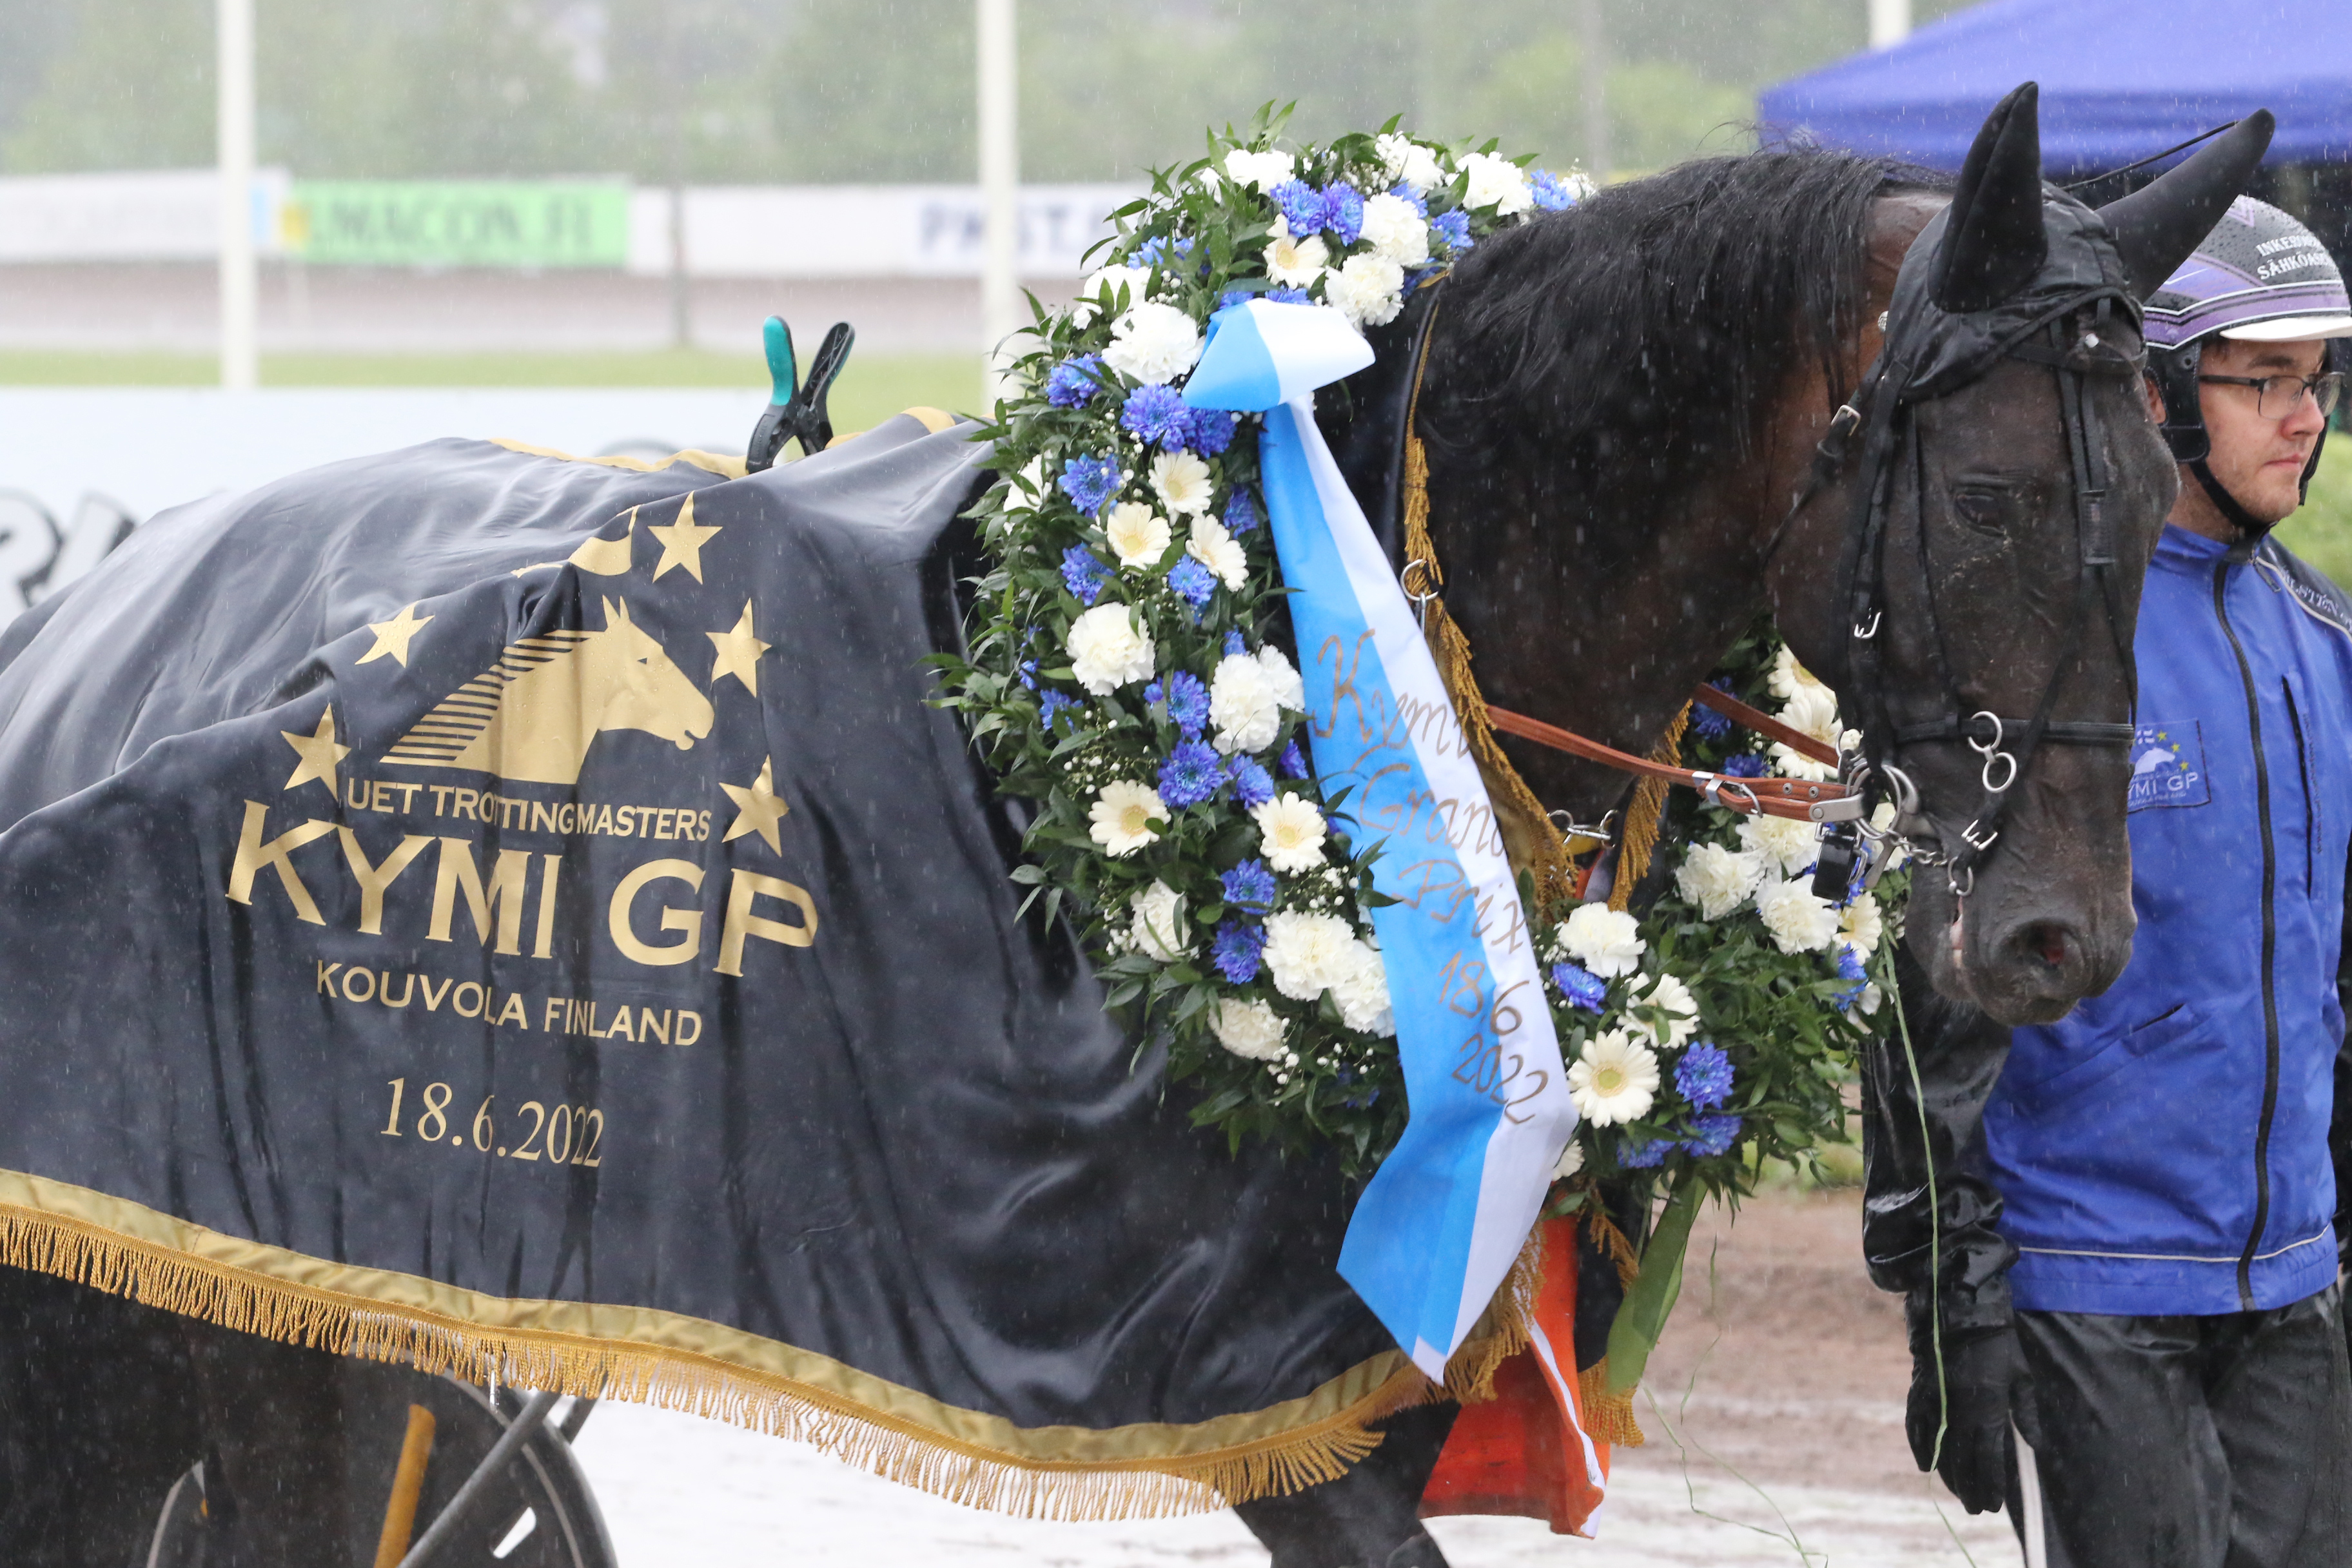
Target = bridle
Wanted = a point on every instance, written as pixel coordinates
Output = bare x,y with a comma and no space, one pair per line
1928,353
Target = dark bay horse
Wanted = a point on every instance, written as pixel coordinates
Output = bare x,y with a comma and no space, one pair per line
1621,405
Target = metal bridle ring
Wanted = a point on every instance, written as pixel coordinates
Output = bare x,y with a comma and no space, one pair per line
2007,779
1987,748
1712,790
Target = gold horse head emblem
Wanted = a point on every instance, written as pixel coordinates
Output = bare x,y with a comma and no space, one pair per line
533,715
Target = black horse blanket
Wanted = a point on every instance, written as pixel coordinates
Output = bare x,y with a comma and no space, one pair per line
520,914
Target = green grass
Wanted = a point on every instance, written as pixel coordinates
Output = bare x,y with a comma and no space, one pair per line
871,388
2322,531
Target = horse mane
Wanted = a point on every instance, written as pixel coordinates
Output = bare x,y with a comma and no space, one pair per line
1617,355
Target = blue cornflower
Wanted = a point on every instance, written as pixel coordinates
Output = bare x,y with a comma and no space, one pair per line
1187,703
1253,786
1250,886
1644,1156
1550,194
1090,482
1082,574
1849,967
1410,196
1744,765
1190,774
1714,1135
1454,230
1287,295
1303,207
1027,671
1704,1075
1050,703
1293,763
1192,582
1158,252
1233,297
1157,413
1236,949
1419,276
1235,644
1343,207
1582,987
1242,514
1208,431
1074,383
1710,724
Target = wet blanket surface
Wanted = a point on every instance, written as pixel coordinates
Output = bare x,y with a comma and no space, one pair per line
529,901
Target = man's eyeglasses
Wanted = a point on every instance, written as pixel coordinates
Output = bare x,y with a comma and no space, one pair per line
2277,397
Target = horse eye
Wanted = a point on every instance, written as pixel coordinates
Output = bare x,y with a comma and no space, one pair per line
1981,509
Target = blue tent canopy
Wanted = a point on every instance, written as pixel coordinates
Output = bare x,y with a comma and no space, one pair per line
2120,79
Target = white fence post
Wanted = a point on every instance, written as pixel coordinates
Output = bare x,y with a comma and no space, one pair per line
241,355
1000,179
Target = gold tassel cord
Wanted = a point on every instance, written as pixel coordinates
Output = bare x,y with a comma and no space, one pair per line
1470,1375
880,1444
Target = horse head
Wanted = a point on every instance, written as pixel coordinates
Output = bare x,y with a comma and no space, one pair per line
1998,489
1904,414
639,687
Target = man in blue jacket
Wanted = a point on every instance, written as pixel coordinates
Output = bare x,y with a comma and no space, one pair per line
2137,1255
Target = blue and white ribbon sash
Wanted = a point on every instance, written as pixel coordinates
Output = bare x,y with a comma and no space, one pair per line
1441,1222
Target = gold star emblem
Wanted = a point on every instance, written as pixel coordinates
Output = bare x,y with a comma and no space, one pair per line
319,752
682,542
393,636
738,654
759,808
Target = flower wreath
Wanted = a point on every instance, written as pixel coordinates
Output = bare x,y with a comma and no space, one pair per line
1126,674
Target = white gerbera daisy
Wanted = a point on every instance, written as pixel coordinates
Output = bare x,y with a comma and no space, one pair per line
1181,482
1571,1160
1613,1079
1122,815
1672,998
1219,550
1137,534
1296,263
1293,832
1860,925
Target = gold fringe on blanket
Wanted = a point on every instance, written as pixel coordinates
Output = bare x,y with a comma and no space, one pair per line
1642,818
1608,1417
1097,1486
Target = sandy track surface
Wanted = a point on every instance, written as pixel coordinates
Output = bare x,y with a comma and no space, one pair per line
1782,1365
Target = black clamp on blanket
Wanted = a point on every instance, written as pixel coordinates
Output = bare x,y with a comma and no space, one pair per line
796,408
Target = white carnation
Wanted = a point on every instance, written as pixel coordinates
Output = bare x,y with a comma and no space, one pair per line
1122,816
1395,231
1780,844
1153,343
1137,534
1220,552
1405,159
1860,925
1497,182
1717,879
1605,941
1158,927
1308,955
1799,922
1672,998
1107,650
1245,706
1249,1029
1181,482
1260,171
1289,689
1296,263
1368,289
1362,993
1291,831
1613,1079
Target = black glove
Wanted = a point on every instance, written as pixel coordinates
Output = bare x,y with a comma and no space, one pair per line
1984,1387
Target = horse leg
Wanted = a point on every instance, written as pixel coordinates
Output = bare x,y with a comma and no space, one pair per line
1369,1517
97,1421
273,1473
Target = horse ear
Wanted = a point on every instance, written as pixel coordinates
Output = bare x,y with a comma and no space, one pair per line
1993,241
2156,228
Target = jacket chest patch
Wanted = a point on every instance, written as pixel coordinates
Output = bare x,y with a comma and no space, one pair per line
2168,766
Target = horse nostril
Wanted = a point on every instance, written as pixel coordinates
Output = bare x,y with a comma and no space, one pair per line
2051,943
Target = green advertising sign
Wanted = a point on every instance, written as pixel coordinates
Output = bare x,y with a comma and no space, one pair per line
458,223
